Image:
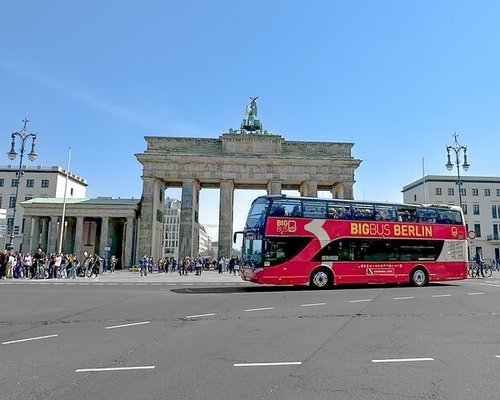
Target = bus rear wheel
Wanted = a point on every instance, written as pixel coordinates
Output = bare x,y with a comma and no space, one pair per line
419,277
321,278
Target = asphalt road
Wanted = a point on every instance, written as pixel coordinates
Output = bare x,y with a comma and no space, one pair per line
153,339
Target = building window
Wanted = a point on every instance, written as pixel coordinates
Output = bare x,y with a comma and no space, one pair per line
475,192
495,231
493,211
71,192
498,192
28,198
475,209
414,197
0,201
12,202
477,230
10,224
45,183
487,192
2,183
439,192
14,182
464,207
30,183
451,191
463,192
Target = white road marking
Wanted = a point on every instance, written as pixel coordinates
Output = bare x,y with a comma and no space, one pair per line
114,369
392,360
260,309
441,295
268,364
29,339
125,325
473,293
497,356
359,301
312,304
200,315
403,298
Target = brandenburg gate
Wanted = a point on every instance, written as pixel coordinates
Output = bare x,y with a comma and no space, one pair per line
247,158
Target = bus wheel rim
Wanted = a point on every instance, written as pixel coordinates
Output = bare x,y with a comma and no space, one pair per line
320,279
419,277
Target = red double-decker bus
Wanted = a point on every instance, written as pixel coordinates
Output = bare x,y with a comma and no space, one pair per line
325,242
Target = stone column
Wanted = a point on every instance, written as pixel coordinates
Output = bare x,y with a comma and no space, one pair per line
104,236
348,191
151,217
53,235
79,238
189,217
273,187
44,241
129,236
226,218
35,241
338,190
309,189
27,234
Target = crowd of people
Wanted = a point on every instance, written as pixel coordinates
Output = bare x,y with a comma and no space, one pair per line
188,265
17,265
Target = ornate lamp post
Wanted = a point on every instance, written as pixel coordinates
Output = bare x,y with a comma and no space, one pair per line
457,148
23,135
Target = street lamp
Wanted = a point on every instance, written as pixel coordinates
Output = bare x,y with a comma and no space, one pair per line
457,148
23,135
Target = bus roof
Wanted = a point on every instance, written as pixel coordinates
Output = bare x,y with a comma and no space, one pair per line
284,196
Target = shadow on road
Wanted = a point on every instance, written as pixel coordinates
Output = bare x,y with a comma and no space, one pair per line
278,289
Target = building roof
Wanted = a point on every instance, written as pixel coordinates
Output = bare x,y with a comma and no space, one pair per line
451,178
41,169
85,201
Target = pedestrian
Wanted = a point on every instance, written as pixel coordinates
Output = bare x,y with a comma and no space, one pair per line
480,263
113,263
9,270
143,264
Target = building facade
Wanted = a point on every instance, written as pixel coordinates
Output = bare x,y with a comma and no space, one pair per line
35,182
205,248
480,197
172,221
104,226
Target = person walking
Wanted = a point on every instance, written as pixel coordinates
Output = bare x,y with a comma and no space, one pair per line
143,264
11,261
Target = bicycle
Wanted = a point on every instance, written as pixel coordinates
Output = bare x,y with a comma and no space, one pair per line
475,270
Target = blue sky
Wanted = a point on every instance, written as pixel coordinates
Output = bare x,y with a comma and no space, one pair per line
396,78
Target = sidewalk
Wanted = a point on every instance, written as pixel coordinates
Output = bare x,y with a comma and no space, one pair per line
129,276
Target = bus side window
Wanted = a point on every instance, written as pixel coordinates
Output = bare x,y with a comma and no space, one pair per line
296,211
278,211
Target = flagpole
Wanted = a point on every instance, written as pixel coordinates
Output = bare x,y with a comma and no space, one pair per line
423,181
61,236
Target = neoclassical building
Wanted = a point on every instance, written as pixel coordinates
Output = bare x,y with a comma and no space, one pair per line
248,158
105,226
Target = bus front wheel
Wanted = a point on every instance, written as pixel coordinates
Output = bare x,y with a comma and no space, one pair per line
321,279
418,277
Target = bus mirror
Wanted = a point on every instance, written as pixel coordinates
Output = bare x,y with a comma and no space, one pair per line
236,234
